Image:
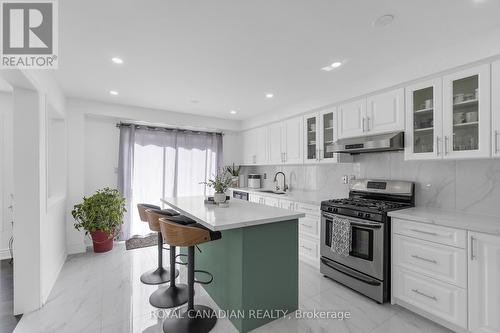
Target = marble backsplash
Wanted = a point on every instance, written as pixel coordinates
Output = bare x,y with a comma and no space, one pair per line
471,186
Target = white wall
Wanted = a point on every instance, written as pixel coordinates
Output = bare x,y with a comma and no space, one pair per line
6,172
93,140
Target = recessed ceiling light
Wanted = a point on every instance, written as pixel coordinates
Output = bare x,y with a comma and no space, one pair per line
117,60
113,92
383,20
232,112
269,95
195,101
332,66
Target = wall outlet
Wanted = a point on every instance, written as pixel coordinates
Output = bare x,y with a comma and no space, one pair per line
265,176
345,179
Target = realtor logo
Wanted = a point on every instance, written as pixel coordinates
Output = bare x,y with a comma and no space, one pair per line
29,34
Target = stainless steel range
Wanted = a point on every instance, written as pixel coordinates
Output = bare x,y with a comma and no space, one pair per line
367,267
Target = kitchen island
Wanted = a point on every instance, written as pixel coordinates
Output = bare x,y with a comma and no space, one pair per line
255,264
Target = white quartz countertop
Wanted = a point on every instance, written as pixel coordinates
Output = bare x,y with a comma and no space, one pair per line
239,214
453,219
308,197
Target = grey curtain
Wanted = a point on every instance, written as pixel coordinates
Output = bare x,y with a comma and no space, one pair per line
125,174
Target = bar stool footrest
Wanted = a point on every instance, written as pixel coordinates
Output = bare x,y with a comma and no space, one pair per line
180,262
211,277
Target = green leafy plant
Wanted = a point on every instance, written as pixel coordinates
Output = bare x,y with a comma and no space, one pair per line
233,171
220,183
103,211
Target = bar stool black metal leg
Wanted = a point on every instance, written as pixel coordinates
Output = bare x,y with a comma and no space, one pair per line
158,275
174,295
195,318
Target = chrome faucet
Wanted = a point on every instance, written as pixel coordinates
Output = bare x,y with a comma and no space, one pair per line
285,186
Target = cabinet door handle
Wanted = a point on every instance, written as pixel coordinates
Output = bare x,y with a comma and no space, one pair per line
319,155
416,291
284,157
367,124
306,225
424,232
437,145
364,119
496,141
424,259
472,255
446,145
305,247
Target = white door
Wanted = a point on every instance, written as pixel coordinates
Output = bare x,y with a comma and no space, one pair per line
292,142
495,111
328,135
484,286
275,135
385,112
466,113
351,119
424,117
260,142
311,138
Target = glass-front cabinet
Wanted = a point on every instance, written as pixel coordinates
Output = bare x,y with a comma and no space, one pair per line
449,117
424,120
466,113
320,132
311,138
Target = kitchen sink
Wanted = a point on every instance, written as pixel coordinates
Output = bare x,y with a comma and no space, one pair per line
271,191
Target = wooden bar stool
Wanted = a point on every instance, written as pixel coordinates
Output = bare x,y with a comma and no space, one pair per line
152,214
195,318
175,294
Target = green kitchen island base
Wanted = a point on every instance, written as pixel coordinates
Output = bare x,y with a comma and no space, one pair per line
256,273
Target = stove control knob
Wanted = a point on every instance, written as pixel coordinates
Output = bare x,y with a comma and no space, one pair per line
335,210
367,216
360,214
330,209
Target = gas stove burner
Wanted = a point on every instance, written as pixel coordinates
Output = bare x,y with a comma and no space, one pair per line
379,205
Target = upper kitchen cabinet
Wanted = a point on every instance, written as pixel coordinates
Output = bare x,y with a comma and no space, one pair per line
466,113
284,141
255,146
351,119
311,138
424,114
320,132
495,100
385,112
292,140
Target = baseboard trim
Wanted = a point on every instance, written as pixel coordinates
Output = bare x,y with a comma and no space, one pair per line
5,254
76,248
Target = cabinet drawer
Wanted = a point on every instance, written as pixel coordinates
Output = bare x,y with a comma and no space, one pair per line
433,233
309,225
308,248
432,296
441,262
307,209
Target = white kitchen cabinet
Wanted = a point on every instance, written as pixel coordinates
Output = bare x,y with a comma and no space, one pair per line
275,138
292,140
249,147
466,113
424,117
320,133
351,119
484,286
495,109
255,146
386,112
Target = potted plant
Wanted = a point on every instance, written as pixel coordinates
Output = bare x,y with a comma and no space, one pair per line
235,175
101,215
220,183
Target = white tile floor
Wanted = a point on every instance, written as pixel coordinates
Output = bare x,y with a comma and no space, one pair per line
102,293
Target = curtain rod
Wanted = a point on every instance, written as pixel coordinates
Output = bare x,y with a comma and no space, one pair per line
166,129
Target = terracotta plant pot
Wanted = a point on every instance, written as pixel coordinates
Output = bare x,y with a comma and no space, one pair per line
102,241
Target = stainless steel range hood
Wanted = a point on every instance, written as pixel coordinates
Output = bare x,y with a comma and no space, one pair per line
369,144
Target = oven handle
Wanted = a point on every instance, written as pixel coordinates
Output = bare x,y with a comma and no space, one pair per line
354,276
356,222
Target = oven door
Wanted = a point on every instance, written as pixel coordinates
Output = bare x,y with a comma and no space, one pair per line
367,253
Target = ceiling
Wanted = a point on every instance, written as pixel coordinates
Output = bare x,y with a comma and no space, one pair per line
210,57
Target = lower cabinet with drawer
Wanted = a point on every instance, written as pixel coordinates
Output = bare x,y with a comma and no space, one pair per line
447,275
